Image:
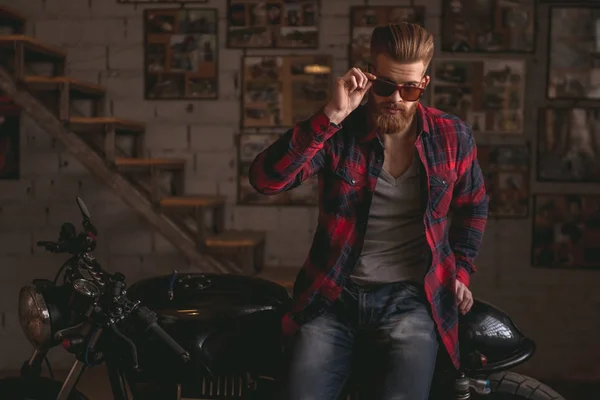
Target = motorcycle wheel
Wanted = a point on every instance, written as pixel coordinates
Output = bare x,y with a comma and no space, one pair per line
512,386
41,389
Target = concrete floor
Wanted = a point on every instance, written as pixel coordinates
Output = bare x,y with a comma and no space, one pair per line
94,384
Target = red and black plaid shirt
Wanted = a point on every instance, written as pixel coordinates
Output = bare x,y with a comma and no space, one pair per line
348,161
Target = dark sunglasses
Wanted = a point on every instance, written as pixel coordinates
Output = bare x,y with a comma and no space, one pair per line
385,88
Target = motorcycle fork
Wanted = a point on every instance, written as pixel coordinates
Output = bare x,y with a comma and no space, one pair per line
76,371
32,368
71,381
463,385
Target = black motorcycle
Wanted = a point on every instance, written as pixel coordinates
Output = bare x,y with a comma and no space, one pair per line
209,336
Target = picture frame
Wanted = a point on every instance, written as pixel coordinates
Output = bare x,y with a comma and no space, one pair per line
573,61
488,94
568,148
162,1
566,231
506,170
10,146
280,24
278,91
249,146
181,54
493,26
363,19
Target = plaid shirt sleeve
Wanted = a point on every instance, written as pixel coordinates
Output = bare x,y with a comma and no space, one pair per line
294,157
470,210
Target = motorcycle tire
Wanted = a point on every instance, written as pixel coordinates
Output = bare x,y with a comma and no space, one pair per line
512,386
41,389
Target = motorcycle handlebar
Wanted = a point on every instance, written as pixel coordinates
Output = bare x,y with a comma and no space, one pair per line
148,318
53,246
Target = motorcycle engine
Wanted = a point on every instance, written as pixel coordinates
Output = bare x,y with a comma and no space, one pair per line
40,313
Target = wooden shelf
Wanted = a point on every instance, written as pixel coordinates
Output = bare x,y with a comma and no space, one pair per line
238,239
79,124
192,201
34,49
47,83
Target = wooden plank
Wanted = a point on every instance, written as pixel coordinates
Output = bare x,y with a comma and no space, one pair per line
238,239
115,181
90,124
284,276
52,83
192,201
34,49
110,144
147,163
13,18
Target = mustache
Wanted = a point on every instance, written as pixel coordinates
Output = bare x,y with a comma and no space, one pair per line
391,106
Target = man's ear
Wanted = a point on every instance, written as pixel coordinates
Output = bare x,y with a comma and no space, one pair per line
427,80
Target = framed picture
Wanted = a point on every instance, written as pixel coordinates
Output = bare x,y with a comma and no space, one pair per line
487,94
181,54
249,146
566,231
282,24
161,1
568,145
278,91
574,53
506,174
10,166
363,19
491,26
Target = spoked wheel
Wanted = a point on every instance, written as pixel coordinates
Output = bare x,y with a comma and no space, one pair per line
513,386
42,389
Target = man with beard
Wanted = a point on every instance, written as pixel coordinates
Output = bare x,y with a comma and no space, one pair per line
383,271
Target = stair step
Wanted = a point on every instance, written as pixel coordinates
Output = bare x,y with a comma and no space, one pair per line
143,163
230,239
34,49
192,201
246,247
13,18
98,124
78,87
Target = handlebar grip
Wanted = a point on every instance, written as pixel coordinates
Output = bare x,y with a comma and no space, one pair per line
147,320
167,339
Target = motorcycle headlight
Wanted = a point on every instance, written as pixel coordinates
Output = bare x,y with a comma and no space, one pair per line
36,315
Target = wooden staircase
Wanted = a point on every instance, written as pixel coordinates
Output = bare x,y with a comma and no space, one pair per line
92,139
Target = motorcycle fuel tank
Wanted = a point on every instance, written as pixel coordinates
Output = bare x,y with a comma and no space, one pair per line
228,323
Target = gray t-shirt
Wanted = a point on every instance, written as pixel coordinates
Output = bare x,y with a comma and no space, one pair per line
395,247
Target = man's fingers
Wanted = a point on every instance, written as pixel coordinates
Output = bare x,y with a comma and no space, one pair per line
370,76
460,292
466,304
352,83
355,79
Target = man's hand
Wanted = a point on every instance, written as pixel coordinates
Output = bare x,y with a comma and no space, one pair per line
348,93
464,297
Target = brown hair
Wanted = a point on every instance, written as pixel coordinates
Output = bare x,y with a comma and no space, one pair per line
404,42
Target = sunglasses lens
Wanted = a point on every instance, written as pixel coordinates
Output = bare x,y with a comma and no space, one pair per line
409,93
382,88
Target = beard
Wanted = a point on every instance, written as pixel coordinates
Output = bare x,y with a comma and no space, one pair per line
386,123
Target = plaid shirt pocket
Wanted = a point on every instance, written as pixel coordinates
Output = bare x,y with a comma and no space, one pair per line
441,184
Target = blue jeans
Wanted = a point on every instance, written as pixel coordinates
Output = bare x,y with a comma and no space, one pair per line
391,322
